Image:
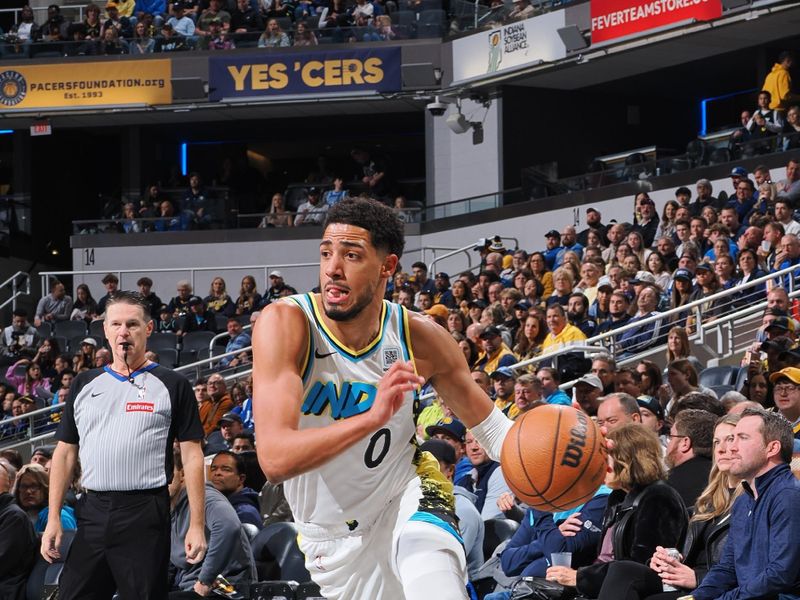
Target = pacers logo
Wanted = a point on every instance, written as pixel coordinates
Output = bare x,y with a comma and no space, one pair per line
13,88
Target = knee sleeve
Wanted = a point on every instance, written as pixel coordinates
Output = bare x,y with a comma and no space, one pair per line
431,563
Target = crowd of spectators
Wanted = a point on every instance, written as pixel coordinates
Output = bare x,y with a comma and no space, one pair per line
612,278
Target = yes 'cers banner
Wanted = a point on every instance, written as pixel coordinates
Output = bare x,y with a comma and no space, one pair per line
319,73
612,19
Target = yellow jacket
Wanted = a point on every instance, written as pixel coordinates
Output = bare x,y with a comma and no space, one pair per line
569,334
779,83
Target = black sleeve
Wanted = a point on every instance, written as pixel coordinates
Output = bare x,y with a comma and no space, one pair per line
67,430
186,418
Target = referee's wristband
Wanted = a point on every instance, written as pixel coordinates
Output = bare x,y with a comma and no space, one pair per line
491,432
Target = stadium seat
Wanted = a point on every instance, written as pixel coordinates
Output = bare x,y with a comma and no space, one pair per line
162,340
96,328
405,17
197,340
697,152
741,378
187,357
43,580
63,343
497,531
717,376
276,546
719,156
168,357
721,390
635,165
70,329
285,23
45,330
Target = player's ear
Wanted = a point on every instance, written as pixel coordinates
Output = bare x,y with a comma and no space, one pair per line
390,265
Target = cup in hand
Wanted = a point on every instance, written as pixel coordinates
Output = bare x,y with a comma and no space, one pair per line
561,559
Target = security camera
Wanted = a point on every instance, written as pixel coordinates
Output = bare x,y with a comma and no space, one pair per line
437,108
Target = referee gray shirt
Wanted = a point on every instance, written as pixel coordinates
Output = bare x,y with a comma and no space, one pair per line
125,430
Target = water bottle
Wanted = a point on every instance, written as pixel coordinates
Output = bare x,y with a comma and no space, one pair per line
672,553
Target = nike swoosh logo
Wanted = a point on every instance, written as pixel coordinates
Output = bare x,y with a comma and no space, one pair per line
97,394
318,355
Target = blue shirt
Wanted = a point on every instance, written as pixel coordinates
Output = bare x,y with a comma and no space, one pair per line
558,397
762,554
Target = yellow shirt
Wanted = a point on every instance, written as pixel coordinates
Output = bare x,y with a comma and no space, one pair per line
126,7
568,335
489,364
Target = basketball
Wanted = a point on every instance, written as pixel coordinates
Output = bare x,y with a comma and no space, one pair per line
554,458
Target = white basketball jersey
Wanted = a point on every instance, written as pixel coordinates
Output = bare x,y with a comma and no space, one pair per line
340,382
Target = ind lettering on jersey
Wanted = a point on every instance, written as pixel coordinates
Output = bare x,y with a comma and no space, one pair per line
354,398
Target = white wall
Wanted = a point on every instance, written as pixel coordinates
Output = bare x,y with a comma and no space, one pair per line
139,260
458,169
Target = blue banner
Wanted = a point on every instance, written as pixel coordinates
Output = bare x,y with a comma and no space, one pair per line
268,74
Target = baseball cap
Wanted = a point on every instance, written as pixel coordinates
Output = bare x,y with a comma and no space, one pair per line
592,380
195,300
111,5
438,310
553,233
442,275
783,323
523,305
230,417
790,373
592,210
276,274
497,245
26,400
684,274
90,341
643,277
490,331
738,172
477,302
502,372
652,405
448,426
780,343
313,190
441,451
46,451
604,282
704,266
163,308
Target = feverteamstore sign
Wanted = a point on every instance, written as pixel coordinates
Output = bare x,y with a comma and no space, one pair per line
612,19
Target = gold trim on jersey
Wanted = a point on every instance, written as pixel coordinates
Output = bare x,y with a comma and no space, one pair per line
338,343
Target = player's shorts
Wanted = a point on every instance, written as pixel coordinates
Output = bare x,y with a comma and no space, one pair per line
402,554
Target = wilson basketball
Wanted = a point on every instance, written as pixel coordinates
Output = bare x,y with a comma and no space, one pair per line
554,458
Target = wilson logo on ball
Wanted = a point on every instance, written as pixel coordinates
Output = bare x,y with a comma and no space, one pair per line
577,442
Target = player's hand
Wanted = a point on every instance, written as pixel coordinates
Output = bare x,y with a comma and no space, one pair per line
571,526
562,575
51,540
505,502
195,545
400,379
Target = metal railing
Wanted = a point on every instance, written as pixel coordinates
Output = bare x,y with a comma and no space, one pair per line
20,283
39,427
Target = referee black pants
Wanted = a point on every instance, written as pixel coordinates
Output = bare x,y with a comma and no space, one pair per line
122,544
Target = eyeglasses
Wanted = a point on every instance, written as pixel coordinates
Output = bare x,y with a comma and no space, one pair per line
676,435
785,389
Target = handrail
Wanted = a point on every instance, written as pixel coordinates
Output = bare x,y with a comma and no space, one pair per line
222,334
210,359
30,434
15,292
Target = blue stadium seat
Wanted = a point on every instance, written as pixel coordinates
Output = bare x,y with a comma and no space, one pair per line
712,376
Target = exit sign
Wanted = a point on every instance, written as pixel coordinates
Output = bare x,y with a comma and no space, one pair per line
41,128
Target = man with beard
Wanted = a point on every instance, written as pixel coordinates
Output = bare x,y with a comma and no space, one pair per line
594,222
577,309
334,403
618,308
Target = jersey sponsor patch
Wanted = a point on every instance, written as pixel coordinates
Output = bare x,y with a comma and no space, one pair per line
140,407
391,355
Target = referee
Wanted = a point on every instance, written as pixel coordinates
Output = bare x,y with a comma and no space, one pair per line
121,421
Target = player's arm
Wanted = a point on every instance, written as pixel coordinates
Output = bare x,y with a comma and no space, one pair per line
194,473
440,361
65,457
280,340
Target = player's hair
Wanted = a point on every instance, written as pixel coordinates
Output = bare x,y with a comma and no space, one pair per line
132,298
385,228
774,428
237,460
637,456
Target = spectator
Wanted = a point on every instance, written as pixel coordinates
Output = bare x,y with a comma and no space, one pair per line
31,493
228,477
238,339
246,19
651,378
537,263
642,513
642,336
26,30
786,394
527,395
688,453
273,36
179,305
111,283
561,333
19,339
56,306
229,553
550,380
761,557
312,211
18,541
452,431
593,223
120,24
469,519
616,410
277,288
142,43
218,403
214,11
303,36
29,383
530,337
84,307
243,442
628,381
791,129
230,425
587,392
618,307
218,301
182,25
197,319
145,285
577,312
678,348
249,299
277,216
90,29
495,353
523,9
779,82
55,28
789,188
485,481
503,380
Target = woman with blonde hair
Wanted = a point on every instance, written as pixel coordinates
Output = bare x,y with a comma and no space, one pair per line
278,216
642,514
218,301
249,299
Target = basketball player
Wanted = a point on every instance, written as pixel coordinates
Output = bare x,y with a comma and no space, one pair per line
336,376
